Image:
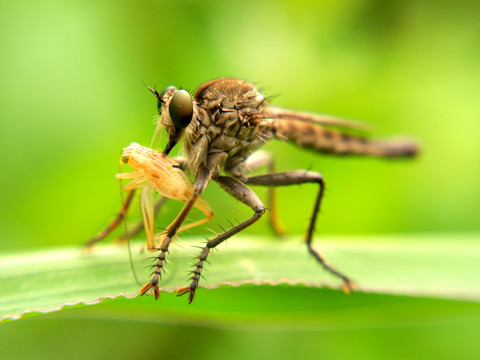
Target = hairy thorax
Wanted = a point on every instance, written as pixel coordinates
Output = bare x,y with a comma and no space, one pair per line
227,127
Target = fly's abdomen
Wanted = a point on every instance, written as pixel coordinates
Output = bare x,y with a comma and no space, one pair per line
335,142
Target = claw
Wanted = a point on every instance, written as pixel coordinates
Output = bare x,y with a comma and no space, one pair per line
160,239
348,286
148,286
186,289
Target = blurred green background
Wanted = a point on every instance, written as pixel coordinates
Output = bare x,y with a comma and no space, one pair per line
72,97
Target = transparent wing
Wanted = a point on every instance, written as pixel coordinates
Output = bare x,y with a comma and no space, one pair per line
277,113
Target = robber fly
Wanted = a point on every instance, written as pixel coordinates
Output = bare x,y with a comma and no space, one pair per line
223,124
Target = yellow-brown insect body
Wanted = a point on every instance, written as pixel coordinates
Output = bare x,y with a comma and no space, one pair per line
154,170
160,170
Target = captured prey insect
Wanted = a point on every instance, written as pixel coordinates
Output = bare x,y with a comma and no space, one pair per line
154,171
223,123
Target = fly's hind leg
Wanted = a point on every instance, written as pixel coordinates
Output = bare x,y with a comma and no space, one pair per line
264,159
296,178
241,192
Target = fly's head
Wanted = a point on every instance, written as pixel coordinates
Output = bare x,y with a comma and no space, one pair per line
176,110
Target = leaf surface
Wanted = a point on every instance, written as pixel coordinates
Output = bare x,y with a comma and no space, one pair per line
418,265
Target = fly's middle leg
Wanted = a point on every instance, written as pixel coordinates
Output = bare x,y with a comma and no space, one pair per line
300,177
241,192
258,160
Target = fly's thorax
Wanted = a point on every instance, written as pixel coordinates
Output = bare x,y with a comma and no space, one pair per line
235,164
226,120
228,93
229,133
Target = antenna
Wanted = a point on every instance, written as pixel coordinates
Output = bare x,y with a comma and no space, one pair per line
124,213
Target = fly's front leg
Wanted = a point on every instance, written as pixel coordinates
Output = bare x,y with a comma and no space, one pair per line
257,160
201,181
241,192
301,177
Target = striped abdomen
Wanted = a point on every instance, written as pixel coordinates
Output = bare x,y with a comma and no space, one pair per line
331,141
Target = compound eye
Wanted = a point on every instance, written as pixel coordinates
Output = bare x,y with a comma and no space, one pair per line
181,109
125,159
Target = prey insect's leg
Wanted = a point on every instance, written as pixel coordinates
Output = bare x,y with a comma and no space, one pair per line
201,181
301,177
201,205
126,204
241,192
139,227
114,224
257,160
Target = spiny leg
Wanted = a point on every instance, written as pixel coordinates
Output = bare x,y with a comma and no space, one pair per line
257,160
241,192
301,177
202,179
201,205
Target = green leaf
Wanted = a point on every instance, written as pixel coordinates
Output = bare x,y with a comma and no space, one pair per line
416,265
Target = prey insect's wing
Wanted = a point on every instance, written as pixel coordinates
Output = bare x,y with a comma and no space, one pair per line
146,206
277,113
